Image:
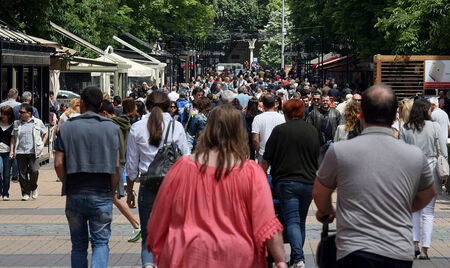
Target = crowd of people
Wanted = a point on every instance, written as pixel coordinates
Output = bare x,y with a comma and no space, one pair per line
245,141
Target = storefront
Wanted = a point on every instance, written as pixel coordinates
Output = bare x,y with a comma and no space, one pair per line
24,64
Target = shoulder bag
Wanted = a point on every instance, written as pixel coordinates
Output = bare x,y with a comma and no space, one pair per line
326,250
442,167
166,156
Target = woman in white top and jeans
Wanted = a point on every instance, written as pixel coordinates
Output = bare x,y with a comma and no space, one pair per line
145,138
419,130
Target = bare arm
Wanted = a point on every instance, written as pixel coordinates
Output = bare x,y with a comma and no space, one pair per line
322,198
422,198
115,177
131,199
276,248
59,165
44,140
265,165
256,142
12,146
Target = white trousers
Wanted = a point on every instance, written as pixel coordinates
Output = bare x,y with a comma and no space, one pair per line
427,216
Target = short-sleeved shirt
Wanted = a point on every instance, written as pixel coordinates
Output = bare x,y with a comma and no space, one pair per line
263,125
26,141
292,151
377,178
91,145
441,117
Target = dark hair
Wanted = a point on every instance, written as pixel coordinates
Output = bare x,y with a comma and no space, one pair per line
316,92
252,108
117,99
204,105
9,112
268,100
51,93
418,115
225,133
140,108
157,103
379,105
92,98
129,107
294,109
27,107
107,106
197,90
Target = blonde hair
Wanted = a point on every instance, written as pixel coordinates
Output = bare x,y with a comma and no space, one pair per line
404,109
72,106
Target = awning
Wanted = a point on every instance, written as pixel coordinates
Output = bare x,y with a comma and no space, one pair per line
135,70
314,66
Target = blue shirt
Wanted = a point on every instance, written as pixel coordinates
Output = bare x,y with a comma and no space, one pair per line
17,108
243,99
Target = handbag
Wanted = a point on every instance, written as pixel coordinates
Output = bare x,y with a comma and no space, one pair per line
326,250
442,167
166,156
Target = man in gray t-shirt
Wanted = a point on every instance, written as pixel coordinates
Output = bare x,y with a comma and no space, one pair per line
380,181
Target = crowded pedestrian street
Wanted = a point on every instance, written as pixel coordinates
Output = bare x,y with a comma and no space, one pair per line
36,234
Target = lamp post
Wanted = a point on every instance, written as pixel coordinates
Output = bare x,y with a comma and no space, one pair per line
283,33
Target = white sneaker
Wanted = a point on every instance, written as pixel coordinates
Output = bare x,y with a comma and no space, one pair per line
25,197
5,198
34,194
300,264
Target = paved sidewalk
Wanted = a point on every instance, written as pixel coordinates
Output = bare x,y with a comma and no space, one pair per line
35,233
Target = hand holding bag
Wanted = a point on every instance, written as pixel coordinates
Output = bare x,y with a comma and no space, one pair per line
166,156
326,250
442,167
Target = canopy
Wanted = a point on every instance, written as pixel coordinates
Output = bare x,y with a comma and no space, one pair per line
136,70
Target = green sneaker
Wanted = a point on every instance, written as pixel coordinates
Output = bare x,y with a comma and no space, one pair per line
135,236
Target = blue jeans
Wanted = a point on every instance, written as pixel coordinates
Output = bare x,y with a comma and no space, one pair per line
295,198
94,209
145,205
369,260
5,166
15,169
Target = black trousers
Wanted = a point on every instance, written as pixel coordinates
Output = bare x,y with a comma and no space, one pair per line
28,166
370,260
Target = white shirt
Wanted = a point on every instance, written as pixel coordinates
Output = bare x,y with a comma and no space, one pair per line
140,153
173,96
10,102
263,125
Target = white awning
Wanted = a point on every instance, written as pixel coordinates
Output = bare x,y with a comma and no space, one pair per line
136,69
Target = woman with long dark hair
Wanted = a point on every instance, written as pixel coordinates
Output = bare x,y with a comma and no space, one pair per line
6,129
419,130
250,112
145,138
215,208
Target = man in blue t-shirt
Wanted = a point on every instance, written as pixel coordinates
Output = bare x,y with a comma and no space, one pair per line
87,162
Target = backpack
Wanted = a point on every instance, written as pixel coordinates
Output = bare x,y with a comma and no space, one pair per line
166,156
181,103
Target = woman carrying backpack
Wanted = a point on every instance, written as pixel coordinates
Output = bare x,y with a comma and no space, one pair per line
145,139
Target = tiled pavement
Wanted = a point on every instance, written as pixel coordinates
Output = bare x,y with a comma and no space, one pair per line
35,233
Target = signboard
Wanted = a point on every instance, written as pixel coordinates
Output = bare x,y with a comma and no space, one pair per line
437,73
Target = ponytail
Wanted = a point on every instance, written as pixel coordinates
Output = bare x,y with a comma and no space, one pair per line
154,126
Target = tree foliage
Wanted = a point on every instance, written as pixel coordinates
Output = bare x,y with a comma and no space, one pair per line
417,26
376,26
270,53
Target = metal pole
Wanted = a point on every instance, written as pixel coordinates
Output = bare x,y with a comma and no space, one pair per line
283,32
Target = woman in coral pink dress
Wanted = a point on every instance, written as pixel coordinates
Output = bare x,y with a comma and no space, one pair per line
215,208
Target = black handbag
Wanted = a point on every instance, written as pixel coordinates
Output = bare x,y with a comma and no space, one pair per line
326,250
166,156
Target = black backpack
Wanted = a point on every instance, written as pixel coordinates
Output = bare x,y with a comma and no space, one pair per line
166,156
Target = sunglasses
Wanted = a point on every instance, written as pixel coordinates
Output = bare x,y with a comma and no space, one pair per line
358,100
173,106
22,112
316,98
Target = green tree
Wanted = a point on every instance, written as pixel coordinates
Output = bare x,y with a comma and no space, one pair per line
417,26
270,53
